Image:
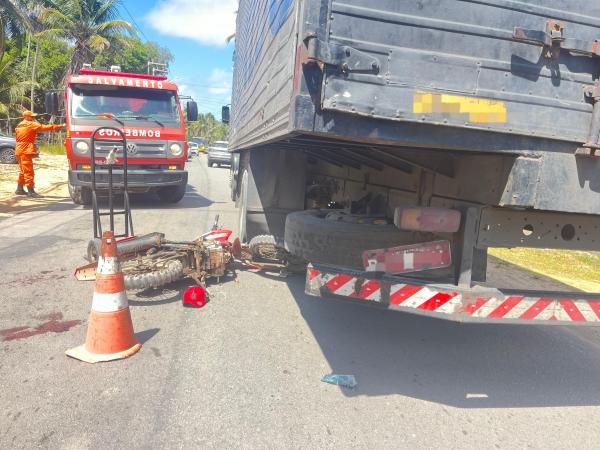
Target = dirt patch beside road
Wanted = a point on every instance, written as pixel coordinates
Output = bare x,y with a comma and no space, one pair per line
50,182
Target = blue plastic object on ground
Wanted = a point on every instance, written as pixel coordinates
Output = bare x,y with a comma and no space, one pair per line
340,380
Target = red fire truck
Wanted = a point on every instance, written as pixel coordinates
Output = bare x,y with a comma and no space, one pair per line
146,108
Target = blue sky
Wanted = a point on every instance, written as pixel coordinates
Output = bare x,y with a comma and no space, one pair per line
195,31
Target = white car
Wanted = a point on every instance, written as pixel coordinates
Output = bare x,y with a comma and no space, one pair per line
192,149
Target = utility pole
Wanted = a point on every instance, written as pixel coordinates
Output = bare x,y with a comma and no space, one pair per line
35,56
156,68
28,50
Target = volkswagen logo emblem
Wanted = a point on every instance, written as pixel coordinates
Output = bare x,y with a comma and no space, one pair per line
131,149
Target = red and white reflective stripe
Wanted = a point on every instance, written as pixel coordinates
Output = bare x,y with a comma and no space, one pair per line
108,265
348,286
500,307
469,304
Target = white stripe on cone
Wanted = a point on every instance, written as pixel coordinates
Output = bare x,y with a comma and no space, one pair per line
108,265
109,302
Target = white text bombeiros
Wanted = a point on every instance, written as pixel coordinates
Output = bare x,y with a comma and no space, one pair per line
131,132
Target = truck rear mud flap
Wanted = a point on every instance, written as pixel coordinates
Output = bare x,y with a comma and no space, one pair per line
478,304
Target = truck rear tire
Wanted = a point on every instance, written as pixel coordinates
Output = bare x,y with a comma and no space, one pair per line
310,236
80,195
172,194
272,184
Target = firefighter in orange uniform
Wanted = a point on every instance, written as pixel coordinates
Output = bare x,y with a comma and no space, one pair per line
26,133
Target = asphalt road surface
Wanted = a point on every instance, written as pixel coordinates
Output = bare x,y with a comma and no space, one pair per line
245,371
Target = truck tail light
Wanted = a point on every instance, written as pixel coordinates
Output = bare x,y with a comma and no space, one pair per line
442,220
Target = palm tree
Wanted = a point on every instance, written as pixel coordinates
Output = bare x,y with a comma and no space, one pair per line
13,92
13,21
90,25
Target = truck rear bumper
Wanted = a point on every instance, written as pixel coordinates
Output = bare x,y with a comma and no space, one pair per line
135,178
479,304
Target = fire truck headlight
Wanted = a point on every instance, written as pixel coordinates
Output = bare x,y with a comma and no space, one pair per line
82,147
176,149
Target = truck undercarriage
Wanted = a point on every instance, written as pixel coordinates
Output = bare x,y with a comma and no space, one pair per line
384,120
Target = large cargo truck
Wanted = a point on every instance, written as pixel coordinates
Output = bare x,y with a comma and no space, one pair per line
146,109
391,143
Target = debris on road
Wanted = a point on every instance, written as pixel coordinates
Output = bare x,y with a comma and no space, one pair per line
195,297
340,380
110,331
151,261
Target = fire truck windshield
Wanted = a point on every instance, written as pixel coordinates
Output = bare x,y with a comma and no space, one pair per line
124,103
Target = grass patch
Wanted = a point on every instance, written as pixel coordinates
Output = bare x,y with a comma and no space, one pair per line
53,149
578,269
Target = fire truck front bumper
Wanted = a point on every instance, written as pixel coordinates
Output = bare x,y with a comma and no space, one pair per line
137,179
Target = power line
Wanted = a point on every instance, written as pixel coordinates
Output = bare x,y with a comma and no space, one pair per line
137,27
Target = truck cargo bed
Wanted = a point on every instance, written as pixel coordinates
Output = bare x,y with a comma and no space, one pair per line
463,64
426,84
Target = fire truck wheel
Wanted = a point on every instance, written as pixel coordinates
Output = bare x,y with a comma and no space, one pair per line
7,155
171,194
309,235
80,195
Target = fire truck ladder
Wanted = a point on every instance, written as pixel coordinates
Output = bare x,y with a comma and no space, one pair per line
108,163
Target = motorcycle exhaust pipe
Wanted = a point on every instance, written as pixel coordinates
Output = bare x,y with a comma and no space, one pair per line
128,246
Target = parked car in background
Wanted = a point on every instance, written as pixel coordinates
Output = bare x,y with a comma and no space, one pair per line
192,149
218,153
7,149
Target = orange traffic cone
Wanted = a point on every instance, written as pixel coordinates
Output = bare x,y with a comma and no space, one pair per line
110,330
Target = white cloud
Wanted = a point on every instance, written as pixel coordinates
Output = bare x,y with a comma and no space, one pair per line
219,81
209,22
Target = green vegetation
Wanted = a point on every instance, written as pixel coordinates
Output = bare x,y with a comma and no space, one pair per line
132,55
578,269
208,127
14,22
13,91
90,25
42,41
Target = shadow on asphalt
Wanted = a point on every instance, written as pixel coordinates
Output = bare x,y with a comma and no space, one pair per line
146,335
461,365
150,200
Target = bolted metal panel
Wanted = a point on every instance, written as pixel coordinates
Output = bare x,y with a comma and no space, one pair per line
501,227
460,63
